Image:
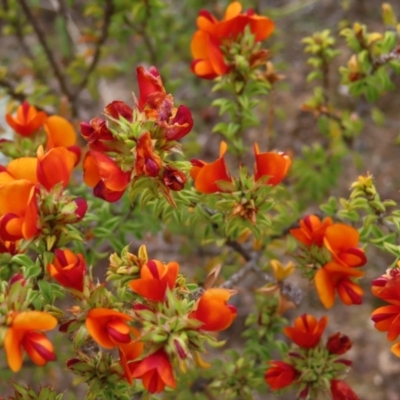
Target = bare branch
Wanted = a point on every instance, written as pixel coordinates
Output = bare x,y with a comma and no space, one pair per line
108,12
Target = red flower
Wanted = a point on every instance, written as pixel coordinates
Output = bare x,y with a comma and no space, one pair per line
118,109
213,311
275,166
280,375
68,269
179,125
307,331
311,230
174,179
387,286
207,176
333,277
102,174
338,343
27,121
207,41
97,134
108,327
155,371
155,278
151,89
22,334
342,241
342,391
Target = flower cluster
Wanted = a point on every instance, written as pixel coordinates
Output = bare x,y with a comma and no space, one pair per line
313,366
386,318
330,256
33,202
133,143
211,43
166,323
269,168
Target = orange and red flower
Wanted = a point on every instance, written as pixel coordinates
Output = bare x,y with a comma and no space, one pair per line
273,165
387,319
23,334
68,269
108,327
155,371
18,210
27,121
213,311
128,353
312,230
151,89
280,375
342,241
212,34
155,278
307,331
387,286
207,176
102,174
342,391
333,276
147,161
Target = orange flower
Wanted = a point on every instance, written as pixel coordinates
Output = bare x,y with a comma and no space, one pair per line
102,174
60,132
342,241
128,353
155,278
206,42
155,371
147,162
108,327
275,166
333,277
311,230
55,166
280,375
307,331
387,319
342,391
18,210
27,121
338,343
206,176
213,311
22,334
68,269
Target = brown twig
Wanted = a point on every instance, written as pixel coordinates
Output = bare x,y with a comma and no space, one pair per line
49,54
10,89
108,12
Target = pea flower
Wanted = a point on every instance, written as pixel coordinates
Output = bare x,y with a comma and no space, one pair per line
213,311
155,278
108,328
207,176
307,331
280,375
68,269
24,333
312,230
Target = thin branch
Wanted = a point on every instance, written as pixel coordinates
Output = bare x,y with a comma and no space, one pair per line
10,90
108,12
385,58
42,39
